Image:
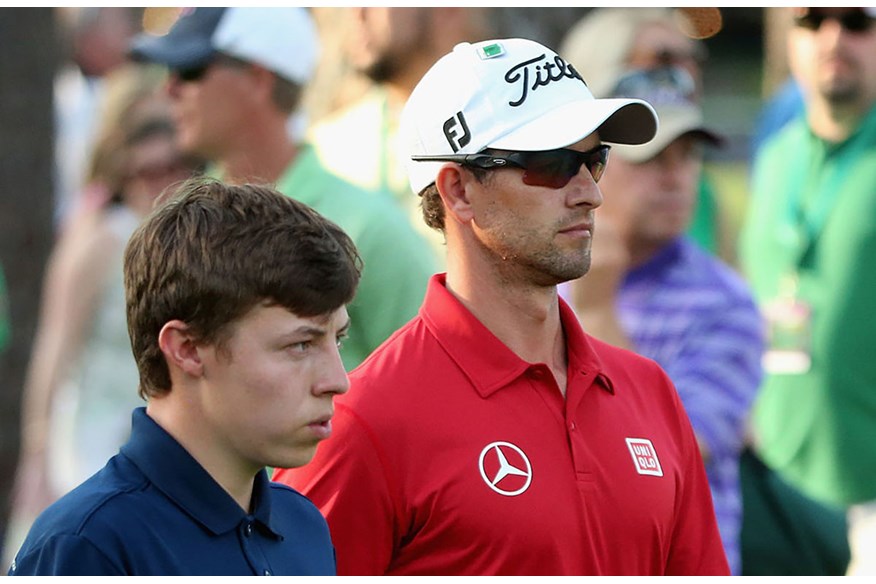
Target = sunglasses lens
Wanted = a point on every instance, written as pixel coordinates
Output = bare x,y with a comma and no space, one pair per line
193,74
597,162
554,169
810,21
661,85
853,21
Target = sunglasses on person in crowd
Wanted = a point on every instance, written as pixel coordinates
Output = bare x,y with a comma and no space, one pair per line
852,20
658,86
649,57
545,168
159,170
193,74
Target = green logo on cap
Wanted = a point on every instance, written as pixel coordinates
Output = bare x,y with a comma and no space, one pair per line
490,51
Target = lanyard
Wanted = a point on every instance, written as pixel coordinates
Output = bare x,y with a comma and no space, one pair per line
817,180
384,143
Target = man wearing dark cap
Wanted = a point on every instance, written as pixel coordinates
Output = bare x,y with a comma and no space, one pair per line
236,76
653,290
492,435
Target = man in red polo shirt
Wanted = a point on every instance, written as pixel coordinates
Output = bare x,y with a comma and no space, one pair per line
491,435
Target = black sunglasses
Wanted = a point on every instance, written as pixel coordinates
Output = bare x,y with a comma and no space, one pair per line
658,86
544,168
852,20
193,74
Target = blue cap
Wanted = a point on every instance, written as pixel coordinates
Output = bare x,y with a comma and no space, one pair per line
283,40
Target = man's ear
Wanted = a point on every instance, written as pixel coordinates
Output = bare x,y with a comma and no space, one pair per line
452,182
263,84
180,348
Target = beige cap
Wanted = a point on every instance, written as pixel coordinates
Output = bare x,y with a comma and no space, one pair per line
598,45
669,90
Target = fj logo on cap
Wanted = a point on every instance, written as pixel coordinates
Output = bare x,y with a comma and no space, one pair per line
452,129
644,457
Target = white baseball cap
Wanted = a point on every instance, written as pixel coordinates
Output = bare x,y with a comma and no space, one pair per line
509,94
283,40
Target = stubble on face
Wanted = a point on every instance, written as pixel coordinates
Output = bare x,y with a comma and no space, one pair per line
838,77
387,54
538,254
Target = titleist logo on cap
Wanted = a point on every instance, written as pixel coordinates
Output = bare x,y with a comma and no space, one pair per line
544,74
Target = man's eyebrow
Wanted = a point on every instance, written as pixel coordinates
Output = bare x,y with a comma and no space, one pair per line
317,331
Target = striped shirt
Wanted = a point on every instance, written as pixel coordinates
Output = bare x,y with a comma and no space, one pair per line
696,317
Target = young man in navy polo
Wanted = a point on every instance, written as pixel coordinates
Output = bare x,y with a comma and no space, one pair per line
236,301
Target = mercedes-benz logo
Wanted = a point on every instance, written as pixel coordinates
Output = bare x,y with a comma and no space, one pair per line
505,468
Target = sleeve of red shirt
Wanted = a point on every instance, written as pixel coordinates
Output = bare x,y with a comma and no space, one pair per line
696,543
348,482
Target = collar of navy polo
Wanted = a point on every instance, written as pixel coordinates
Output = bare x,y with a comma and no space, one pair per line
183,480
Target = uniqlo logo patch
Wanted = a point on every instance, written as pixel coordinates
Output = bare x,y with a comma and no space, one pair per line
644,457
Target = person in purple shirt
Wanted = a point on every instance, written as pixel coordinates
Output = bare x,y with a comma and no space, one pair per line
653,290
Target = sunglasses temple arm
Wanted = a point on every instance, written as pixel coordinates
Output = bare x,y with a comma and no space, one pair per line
479,160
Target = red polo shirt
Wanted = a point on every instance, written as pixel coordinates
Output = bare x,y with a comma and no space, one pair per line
451,455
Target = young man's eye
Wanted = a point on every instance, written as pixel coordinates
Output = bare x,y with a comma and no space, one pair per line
301,347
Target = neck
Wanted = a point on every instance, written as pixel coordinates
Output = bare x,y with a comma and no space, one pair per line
523,315
398,91
180,421
642,251
259,156
835,123
640,255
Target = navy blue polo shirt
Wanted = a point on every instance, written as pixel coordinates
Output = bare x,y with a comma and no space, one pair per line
153,510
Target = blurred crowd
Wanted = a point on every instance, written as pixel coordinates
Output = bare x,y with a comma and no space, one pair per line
767,340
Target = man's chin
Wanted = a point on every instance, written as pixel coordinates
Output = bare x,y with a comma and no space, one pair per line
572,271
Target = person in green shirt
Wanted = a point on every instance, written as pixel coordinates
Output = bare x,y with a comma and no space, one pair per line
808,246
391,47
236,78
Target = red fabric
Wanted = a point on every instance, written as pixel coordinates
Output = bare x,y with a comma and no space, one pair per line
400,480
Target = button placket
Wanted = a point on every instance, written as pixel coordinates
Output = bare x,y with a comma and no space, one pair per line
251,548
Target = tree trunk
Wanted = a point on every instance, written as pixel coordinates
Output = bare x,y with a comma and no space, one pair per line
27,65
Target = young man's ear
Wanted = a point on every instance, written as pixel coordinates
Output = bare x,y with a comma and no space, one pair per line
451,182
180,348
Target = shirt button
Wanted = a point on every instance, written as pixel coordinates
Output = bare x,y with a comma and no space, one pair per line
572,427
247,531
267,572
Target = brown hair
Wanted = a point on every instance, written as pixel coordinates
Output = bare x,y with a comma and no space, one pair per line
214,251
432,205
